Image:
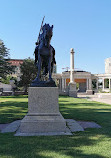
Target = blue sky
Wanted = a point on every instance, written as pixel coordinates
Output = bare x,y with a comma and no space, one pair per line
84,25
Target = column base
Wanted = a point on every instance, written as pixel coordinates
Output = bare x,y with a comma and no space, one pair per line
43,113
89,92
42,123
72,90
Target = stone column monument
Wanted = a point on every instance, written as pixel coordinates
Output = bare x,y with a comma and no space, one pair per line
72,84
43,116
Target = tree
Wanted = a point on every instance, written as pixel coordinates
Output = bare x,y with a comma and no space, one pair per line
29,72
8,78
5,67
94,83
106,83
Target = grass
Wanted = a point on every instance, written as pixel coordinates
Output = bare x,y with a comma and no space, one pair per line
92,143
13,108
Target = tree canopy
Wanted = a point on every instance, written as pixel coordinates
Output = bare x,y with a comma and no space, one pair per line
5,67
29,72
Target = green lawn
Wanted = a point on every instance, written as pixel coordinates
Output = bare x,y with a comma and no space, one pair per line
92,143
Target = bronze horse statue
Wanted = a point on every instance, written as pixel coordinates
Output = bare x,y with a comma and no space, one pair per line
44,56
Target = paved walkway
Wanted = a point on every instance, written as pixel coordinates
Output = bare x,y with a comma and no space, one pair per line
102,100
106,100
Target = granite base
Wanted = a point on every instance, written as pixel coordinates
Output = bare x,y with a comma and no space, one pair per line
89,92
72,90
43,112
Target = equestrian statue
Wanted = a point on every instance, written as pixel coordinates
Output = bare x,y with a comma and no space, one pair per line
44,57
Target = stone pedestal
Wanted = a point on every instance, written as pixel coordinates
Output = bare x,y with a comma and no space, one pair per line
43,116
89,92
72,90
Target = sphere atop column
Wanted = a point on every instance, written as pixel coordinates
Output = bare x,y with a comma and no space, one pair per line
72,50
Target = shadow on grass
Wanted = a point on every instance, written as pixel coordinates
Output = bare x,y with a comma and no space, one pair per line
89,111
46,147
11,111
13,108
86,111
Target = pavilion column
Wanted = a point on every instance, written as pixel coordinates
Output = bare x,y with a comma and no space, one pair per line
109,83
90,84
60,84
103,84
63,84
97,84
87,84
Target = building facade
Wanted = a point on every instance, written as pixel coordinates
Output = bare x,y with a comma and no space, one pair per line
105,78
16,63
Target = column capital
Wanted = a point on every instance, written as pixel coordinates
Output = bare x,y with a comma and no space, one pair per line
72,50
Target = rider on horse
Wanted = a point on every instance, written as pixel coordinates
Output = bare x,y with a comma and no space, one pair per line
44,52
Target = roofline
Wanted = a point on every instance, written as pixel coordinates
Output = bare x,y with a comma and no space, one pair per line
16,59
